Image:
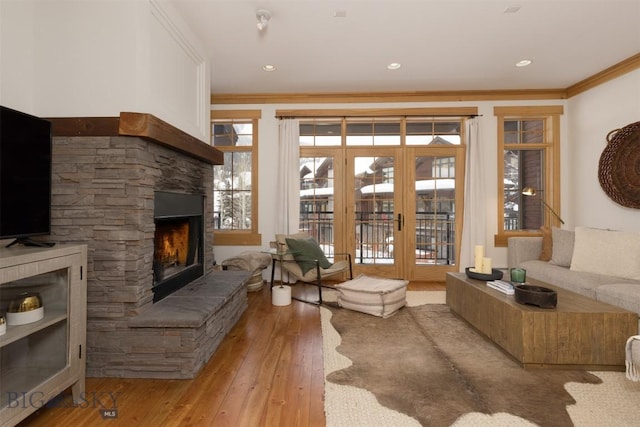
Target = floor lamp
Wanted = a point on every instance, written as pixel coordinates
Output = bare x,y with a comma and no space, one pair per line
530,191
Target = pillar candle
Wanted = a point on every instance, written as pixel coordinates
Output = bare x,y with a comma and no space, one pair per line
486,266
479,254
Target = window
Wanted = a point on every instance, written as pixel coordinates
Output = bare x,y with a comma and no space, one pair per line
321,132
528,156
317,199
373,131
235,183
434,131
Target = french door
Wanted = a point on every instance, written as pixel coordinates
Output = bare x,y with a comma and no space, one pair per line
392,206
401,211
374,214
435,176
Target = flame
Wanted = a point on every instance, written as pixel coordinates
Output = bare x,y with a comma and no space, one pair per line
172,242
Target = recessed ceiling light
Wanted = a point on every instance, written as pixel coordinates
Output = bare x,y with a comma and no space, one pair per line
394,66
523,63
340,13
269,68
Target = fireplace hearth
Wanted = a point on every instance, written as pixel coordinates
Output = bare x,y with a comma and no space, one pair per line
178,240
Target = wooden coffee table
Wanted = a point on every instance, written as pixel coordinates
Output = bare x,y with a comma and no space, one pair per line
579,333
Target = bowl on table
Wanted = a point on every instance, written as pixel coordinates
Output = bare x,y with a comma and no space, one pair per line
473,274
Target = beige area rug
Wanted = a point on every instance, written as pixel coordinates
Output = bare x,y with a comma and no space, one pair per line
585,399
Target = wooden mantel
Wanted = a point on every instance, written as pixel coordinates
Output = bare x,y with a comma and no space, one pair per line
141,125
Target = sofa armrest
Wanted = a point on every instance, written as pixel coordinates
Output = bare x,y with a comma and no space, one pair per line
520,249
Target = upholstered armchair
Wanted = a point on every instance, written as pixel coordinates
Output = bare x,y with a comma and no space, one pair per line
301,256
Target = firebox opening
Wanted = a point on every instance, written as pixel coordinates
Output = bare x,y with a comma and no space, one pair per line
172,249
178,242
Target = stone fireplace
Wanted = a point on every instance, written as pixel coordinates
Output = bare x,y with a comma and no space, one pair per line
114,181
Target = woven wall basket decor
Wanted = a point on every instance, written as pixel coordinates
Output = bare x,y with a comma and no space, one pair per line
619,167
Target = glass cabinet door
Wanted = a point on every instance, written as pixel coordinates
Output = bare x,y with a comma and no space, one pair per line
35,346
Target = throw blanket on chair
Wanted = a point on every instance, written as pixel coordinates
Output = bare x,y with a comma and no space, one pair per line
633,358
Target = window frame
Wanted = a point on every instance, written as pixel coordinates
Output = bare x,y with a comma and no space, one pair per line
250,237
550,172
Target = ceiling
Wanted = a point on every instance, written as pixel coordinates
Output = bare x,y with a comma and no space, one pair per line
442,45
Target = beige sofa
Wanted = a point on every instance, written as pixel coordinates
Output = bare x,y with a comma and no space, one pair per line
601,264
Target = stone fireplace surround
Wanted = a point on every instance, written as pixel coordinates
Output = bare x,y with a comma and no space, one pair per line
105,174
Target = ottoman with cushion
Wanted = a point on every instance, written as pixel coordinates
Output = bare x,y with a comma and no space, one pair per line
372,295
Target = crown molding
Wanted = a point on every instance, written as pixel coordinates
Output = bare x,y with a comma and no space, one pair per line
613,72
380,97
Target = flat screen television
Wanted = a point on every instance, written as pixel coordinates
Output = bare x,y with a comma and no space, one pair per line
25,176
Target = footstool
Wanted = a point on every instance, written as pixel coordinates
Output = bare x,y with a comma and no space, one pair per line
253,261
373,295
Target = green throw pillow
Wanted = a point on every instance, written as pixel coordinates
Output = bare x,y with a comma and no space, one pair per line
305,252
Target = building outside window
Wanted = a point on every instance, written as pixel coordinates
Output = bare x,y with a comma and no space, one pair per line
529,156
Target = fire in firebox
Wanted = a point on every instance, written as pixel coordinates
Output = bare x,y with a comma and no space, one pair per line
172,244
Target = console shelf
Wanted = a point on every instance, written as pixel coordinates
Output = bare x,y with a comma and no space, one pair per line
41,359
15,333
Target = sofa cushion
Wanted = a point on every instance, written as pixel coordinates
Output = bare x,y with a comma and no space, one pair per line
520,249
562,249
625,295
562,277
608,252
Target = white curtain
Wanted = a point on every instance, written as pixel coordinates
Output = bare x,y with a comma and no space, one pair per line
474,219
288,183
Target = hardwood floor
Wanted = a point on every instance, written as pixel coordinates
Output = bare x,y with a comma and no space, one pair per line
267,372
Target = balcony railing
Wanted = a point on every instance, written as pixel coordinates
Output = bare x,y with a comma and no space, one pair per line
434,236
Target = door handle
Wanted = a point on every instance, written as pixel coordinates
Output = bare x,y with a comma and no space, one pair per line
400,222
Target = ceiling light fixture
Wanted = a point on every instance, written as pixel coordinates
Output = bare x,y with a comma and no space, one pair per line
263,18
523,63
340,13
394,66
269,68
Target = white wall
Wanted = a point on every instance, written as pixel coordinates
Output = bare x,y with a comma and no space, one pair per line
73,58
17,59
592,115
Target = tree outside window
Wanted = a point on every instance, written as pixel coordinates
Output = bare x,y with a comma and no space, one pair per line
235,182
